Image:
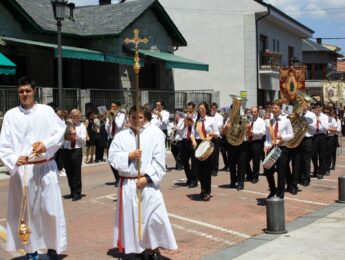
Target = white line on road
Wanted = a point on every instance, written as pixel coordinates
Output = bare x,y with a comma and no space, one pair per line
343,166
109,196
3,219
229,231
329,180
202,234
288,198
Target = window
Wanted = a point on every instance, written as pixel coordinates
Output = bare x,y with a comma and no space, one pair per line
274,44
278,46
291,55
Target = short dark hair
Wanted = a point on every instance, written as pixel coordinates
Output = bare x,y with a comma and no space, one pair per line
190,104
24,81
214,104
145,111
160,101
118,103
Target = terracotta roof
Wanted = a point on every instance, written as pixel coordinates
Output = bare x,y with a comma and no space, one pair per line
341,66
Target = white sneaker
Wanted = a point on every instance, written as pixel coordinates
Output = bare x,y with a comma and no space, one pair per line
62,172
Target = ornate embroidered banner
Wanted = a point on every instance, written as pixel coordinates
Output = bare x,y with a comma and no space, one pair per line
292,79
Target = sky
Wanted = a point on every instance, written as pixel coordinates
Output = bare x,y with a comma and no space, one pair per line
325,17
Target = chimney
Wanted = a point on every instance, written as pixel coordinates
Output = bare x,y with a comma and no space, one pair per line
319,40
104,2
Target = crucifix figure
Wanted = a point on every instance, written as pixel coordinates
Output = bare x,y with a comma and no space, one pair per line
136,40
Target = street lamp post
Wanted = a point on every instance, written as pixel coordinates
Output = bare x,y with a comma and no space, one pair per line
59,8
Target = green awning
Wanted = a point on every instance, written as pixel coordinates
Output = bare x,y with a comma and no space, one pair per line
76,53
174,61
7,67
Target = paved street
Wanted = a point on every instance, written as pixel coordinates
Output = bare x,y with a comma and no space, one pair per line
201,228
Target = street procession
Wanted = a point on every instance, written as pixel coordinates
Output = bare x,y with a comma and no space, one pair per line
159,129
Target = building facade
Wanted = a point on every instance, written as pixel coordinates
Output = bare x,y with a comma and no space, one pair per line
244,43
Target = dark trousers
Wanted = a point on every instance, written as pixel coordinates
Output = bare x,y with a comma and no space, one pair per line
293,176
334,151
99,152
188,154
166,137
306,151
238,159
224,151
58,156
203,171
254,154
176,149
115,172
320,152
73,159
282,165
331,144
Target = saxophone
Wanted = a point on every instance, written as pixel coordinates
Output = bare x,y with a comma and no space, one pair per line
299,124
238,129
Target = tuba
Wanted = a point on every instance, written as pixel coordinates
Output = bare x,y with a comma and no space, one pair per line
299,124
239,124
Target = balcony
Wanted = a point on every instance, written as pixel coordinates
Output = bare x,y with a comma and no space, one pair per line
270,62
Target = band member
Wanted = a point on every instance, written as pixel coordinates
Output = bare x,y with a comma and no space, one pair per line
73,154
188,153
216,140
307,148
336,137
191,111
205,129
61,113
90,138
256,132
319,127
176,139
124,156
224,146
278,132
331,140
114,124
163,115
31,133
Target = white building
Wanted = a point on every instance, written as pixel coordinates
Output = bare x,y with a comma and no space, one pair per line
244,42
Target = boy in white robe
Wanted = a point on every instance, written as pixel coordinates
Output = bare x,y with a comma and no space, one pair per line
31,133
123,156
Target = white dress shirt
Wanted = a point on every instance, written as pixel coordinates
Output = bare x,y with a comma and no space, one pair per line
310,117
210,126
120,120
179,130
259,129
165,119
332,123
323,124
219,120
284,129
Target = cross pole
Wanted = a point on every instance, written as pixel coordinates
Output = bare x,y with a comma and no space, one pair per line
136,67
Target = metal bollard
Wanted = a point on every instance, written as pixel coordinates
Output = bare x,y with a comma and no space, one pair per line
341,189
275,215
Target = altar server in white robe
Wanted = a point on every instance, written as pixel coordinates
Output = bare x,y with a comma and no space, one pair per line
123,155
30,129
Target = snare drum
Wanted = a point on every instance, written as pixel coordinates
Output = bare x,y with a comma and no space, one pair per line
272,158
204,150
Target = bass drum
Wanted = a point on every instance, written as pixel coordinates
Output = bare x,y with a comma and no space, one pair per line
204,150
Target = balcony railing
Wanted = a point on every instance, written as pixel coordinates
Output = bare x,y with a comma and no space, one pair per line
270,61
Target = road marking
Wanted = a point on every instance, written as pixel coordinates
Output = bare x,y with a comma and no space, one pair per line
202,234
326,186
229,231
340,165
109,196
288,198
2,220
329,180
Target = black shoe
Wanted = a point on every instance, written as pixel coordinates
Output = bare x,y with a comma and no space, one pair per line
76,197
116,184
305,183
233,185
52,254
179,168
207,197
225,169
214,173
240,186
68,196
188,182
193,184
293,191
255,180
272,194
319,176
333,168
155,256
328,173
202,195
